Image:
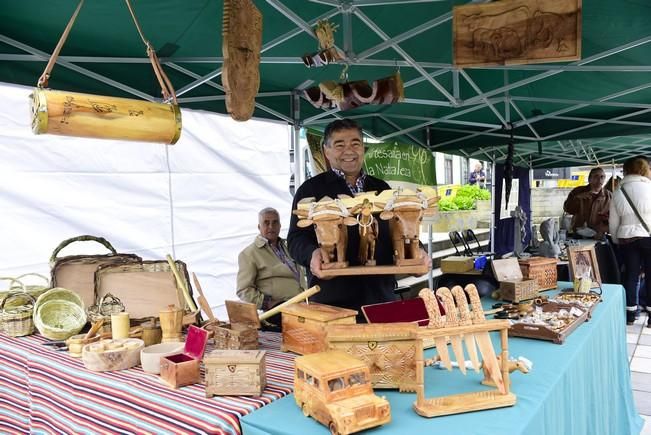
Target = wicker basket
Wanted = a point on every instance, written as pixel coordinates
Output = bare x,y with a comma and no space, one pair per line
35,290
542,270
17,320
59,294
102,310
59,319
14,286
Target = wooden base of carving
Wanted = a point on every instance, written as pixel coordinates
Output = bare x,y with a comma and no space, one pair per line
419,269
334,265
464,402
408,261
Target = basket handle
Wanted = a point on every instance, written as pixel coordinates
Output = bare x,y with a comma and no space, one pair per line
13,280
84,238
14,295
38,275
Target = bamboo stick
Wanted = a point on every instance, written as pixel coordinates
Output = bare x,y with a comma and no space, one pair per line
183,286
298,298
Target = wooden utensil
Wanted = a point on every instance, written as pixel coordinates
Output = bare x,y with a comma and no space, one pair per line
203,302
182,285
94,328
298,298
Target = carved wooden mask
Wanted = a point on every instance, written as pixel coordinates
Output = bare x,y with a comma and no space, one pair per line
241,45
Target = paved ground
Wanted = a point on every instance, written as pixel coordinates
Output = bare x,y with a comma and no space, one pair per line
638,339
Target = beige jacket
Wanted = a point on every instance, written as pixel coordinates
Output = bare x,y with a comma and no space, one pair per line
262,274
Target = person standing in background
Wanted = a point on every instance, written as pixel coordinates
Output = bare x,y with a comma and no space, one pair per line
478,175
589,205
630,217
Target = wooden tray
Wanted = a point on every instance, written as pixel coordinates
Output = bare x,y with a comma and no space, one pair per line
145,288
579,295
419,269
541,332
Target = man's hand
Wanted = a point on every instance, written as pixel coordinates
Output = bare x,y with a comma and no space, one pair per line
315,264
426,260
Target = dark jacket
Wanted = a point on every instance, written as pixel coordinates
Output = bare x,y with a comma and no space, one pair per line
346,291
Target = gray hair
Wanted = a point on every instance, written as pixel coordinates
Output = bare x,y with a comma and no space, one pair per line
268,210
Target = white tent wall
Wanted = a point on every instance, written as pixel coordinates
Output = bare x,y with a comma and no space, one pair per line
197,200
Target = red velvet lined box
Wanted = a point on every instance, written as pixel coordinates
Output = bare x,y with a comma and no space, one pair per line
411,310
182,369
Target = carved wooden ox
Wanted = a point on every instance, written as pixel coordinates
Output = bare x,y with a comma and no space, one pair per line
329,218
405,213
368,232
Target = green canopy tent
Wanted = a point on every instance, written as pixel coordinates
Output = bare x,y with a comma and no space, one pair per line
593,110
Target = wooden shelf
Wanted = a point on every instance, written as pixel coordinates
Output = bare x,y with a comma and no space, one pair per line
376,270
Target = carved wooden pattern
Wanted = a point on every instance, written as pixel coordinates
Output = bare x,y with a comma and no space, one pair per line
391,364
477,313
517,32
241,45
436,321
452,319
464,319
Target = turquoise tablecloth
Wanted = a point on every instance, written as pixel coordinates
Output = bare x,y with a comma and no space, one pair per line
580,387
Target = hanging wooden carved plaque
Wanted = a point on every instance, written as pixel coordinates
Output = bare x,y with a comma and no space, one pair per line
517,32
241,45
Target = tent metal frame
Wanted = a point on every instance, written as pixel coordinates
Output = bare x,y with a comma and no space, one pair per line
577,151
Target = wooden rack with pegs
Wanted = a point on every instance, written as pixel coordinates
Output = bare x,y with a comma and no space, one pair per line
462,323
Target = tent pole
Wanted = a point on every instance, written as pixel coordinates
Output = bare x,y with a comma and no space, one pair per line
531,190
492,233
296,141
430,275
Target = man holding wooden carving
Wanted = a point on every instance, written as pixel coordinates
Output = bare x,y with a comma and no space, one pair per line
267,274
344,150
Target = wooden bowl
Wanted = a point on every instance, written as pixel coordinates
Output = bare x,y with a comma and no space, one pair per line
150,356
109,355
77,342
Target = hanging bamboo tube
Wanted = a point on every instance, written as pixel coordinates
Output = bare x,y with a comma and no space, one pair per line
102,117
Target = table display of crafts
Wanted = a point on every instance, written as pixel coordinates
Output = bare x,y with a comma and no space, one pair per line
587,301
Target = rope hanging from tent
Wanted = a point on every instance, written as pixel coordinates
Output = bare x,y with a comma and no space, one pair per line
167,90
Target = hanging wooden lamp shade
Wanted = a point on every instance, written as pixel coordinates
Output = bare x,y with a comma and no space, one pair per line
104,117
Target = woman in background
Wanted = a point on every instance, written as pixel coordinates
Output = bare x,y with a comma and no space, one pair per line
629,220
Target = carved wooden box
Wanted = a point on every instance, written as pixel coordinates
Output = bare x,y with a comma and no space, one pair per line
241,332
392,351
304,325
235,372
541,269
512,286
182,369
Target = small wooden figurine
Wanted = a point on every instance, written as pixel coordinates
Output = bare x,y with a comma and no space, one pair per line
513,365
328,217
235,372
182,369
334,388
368,232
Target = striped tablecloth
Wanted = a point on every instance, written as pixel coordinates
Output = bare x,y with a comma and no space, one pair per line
46,391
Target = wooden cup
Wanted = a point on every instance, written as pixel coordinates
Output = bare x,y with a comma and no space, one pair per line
171,322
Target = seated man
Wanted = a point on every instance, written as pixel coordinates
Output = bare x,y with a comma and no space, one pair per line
589,205
267,274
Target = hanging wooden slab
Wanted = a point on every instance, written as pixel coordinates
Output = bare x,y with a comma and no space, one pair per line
516,32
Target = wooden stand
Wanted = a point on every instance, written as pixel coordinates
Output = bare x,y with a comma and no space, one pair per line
478,328
419,269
